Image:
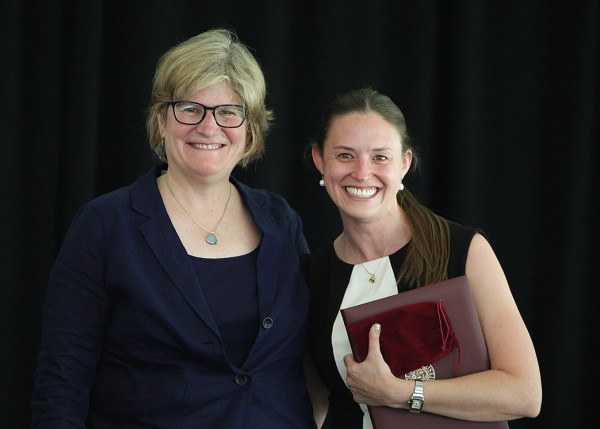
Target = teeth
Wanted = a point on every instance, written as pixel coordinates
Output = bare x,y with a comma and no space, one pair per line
207,146
361,193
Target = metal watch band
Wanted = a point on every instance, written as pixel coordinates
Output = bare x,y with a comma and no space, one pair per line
415,404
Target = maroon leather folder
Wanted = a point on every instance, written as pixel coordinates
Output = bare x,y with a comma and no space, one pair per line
470,357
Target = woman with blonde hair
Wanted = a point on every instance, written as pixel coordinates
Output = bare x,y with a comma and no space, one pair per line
178,301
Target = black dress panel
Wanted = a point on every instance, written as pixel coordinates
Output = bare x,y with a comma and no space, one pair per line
221,280
328,278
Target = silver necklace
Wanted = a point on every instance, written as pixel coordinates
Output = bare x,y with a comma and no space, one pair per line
211,238
372,277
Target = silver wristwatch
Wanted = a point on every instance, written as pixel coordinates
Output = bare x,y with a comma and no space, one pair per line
416,401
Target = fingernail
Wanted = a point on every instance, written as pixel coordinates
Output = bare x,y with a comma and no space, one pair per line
377,327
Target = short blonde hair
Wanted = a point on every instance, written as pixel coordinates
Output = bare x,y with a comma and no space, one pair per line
213,56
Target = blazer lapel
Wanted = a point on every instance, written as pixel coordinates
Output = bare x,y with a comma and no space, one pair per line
270,252
166,245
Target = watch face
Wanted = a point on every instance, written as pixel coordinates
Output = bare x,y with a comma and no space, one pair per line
416,404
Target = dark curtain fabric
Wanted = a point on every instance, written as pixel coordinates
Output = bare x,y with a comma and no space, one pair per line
501,98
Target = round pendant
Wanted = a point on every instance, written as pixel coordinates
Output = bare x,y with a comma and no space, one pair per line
212,238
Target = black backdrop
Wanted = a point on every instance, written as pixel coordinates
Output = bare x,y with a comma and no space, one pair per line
501,97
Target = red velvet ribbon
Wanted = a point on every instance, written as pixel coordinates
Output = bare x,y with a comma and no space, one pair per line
412,336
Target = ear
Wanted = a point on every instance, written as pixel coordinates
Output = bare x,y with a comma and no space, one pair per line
317,159
406,162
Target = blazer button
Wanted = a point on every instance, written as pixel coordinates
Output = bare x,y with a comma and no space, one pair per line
267,322
241,379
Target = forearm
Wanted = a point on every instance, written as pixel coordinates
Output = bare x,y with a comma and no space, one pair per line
61,394
75,308
487,396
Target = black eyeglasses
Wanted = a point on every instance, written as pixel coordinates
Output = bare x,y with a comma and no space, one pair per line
192,113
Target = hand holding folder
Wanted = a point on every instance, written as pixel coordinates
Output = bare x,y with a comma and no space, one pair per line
432,331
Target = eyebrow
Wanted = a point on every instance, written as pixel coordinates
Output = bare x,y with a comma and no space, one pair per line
377,149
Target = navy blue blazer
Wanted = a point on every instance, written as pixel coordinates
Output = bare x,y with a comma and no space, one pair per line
128,340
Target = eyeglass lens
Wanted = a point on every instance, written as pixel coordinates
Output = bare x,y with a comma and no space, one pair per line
226,115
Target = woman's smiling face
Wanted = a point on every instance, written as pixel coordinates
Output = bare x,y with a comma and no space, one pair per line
206,148
362,164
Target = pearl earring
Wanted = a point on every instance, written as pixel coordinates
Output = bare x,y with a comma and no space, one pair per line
401,188
321,182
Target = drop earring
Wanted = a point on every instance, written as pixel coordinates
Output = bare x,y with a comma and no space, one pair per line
321,182
161,150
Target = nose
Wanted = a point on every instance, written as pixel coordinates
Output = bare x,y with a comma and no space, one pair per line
363,169
209,122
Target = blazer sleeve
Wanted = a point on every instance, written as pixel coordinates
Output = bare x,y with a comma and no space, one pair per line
74,314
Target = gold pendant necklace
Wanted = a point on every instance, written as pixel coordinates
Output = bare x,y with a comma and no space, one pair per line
372,277
211,238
